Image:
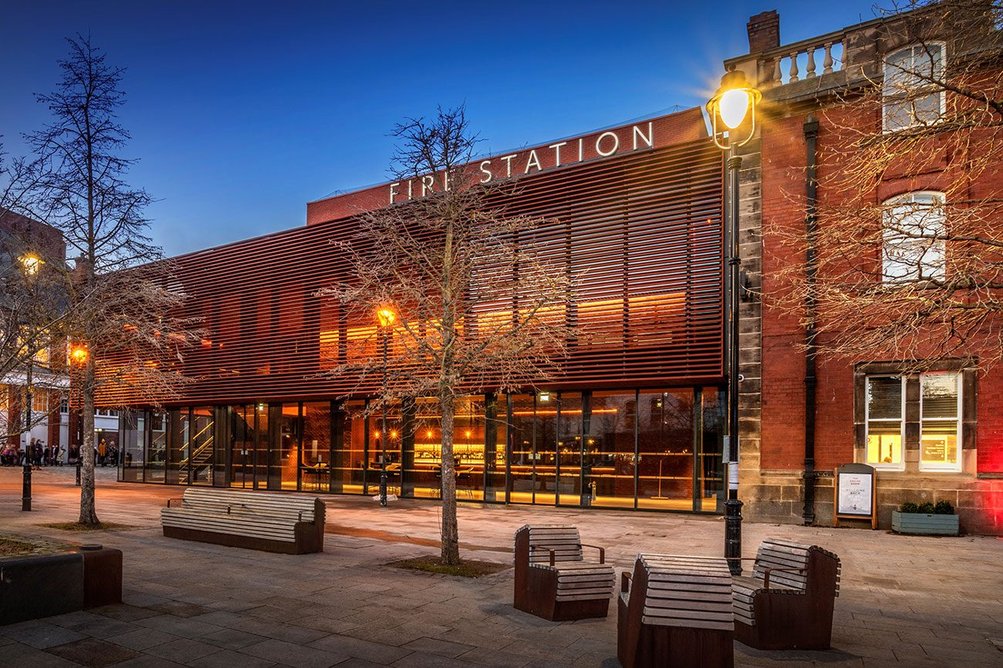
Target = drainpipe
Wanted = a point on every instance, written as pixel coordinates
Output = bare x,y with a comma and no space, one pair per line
810,306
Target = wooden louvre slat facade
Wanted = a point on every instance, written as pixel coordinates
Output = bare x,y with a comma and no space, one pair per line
641,235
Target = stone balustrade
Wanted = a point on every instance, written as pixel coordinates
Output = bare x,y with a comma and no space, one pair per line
802,61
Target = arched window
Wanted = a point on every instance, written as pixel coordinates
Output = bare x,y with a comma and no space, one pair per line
914,227
913,91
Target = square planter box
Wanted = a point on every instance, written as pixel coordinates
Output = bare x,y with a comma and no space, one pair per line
924,524
52,584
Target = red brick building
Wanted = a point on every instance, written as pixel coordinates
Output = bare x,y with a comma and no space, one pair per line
21,238
897,176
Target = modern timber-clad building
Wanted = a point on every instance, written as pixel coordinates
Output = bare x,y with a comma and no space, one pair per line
635,418
632,420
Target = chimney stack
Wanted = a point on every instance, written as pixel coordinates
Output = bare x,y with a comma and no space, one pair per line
764,31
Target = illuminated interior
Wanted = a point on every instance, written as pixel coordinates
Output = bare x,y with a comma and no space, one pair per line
646,449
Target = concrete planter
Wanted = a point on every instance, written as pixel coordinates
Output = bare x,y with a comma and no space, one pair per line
925,524
53,584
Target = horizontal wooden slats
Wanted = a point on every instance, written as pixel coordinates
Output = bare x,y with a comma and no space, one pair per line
687,591
640,234
238,513
577,580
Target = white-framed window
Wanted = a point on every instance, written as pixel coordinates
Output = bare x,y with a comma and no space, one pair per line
940,422
913,229
39,401
912,92
884,406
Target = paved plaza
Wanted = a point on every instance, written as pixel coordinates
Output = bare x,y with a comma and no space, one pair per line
906,601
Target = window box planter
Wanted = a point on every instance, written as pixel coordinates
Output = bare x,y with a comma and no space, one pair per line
928,524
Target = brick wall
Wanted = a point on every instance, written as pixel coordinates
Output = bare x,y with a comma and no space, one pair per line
775,490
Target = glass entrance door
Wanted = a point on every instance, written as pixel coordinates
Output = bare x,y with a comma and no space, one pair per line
570,449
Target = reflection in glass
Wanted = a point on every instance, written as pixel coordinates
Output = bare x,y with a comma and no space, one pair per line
609,451
316,453
522,449
665,449
569,448
133,440
710,485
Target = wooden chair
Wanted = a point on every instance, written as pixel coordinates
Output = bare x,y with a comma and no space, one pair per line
676,610
788,601
553,581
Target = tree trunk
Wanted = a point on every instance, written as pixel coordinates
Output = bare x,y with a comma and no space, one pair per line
88,515
450,531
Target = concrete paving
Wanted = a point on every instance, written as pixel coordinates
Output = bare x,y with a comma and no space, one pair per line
904,601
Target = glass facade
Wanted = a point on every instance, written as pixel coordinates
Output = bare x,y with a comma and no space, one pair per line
647,449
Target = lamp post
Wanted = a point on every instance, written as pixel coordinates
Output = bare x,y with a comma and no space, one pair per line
30,265
78,357
386,318
733,121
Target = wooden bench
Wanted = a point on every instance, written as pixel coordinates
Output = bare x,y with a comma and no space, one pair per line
553,581
676,610
286,523
788,601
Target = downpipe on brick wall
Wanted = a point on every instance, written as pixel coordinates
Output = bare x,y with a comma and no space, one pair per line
810,307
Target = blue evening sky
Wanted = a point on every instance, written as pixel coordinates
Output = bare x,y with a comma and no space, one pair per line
241,112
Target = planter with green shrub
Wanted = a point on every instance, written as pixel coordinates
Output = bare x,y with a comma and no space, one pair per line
926,519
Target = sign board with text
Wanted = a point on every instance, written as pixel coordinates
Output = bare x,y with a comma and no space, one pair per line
855,494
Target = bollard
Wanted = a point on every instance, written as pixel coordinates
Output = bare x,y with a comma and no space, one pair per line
26,488
79,464
383,483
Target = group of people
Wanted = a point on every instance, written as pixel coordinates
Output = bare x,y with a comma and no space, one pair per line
106,454
37,454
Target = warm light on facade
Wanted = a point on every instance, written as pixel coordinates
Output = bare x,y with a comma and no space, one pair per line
386,316
733,102
78,354
30,263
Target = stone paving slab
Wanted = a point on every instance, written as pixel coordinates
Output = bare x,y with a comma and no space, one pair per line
905,601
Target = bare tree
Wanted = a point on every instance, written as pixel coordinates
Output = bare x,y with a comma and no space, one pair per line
469,303
115,306
906,261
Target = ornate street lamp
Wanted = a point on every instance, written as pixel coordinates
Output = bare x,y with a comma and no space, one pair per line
733,120
386,317
30,264
78,358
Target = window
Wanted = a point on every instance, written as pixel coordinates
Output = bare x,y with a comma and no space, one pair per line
913,246
912,92
908,420
39,401
940,422
884,404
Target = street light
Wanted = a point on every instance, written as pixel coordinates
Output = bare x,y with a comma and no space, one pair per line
30,264
386,318
733,102
78,358
78,354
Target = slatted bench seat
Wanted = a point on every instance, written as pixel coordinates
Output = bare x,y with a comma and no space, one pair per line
286,523
676,610
788,601
553,581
